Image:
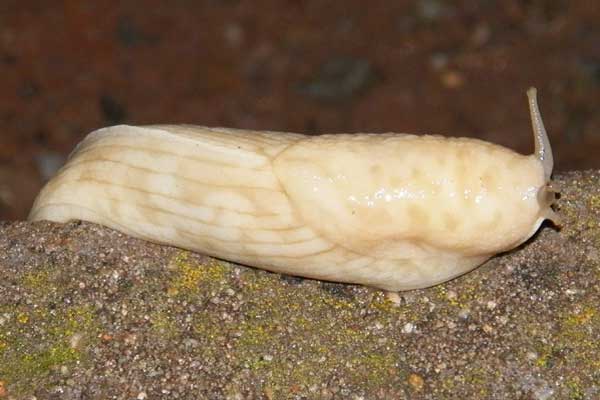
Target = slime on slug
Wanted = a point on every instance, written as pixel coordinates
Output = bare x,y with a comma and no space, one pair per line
392,211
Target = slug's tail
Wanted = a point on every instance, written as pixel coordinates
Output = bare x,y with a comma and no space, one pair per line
543,150
210,190
135,178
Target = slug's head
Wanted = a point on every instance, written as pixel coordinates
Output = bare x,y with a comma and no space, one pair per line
543,153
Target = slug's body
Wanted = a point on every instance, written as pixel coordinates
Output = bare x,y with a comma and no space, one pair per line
392,211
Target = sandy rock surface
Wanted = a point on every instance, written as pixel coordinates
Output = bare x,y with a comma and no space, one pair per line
88,313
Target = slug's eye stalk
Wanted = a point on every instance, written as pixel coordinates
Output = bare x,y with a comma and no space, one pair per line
543,150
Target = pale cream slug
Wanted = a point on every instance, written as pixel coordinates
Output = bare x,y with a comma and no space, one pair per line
392,211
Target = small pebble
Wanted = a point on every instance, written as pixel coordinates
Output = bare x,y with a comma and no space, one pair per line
571,292
416,382
75,340
464,313
531,356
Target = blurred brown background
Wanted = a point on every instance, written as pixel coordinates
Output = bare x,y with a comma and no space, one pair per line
457,68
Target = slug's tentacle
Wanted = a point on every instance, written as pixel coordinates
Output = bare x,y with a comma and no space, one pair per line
543,150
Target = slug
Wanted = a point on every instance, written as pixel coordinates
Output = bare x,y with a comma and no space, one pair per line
391,211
